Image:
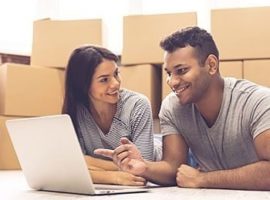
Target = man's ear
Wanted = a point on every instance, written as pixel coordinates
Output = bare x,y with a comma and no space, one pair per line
212,64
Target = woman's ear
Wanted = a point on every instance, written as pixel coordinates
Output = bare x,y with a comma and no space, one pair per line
212,64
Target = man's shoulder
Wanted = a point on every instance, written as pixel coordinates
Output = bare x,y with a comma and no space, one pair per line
171,99
244,86
172,104
170,96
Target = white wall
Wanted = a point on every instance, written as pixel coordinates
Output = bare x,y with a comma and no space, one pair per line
16,16
16,25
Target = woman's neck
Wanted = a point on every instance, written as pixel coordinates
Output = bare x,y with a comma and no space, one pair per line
103,115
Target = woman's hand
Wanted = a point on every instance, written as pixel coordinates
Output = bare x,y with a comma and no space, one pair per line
124,178
99,164
117,178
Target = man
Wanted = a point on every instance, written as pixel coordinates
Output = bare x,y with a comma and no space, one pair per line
224,121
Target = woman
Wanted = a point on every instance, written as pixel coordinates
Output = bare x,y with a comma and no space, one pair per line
102,113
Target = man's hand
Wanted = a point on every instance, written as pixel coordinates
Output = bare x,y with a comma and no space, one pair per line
188,177
127,157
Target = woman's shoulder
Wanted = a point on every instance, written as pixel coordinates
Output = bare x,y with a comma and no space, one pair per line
132,96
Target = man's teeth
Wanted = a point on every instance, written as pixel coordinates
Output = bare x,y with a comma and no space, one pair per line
178,91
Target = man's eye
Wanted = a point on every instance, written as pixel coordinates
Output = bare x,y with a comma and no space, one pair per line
181,71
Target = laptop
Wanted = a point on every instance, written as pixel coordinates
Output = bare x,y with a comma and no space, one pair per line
51,157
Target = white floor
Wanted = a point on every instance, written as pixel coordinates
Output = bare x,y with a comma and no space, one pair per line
14,186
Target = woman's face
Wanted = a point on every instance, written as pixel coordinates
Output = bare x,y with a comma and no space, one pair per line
105,83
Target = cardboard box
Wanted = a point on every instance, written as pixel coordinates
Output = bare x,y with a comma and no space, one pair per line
54,40
241,33
30,91
257,71
145,79
8,157
231,69
143,33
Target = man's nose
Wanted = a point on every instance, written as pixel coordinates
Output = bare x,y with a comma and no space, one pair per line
173,82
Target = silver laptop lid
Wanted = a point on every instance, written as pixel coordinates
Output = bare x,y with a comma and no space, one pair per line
50,154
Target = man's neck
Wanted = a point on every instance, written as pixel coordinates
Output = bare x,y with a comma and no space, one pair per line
209,107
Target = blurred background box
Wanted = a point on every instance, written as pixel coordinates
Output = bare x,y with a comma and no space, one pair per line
144,79
30,91
231,69
241,33
54,40
257,71
8,157
143,33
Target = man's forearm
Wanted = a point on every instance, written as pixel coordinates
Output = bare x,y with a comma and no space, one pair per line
160,173
255,176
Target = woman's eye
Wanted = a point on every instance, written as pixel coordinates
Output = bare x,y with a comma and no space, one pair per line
104,80
116,73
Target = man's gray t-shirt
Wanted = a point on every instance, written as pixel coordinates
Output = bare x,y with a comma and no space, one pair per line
229,143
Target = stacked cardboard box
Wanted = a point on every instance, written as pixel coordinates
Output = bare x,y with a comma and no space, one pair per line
8,157
38,89
144,79
30,91
142,34
257,71
231,69
242,37
26,91
54,40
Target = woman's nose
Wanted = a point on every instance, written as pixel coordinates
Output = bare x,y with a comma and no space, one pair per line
115,82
